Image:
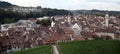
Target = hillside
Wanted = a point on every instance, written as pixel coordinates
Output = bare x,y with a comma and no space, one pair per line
97,12
11,16
4,4
7,15
90,47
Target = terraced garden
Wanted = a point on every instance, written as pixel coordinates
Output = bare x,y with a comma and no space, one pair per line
36,50
90,47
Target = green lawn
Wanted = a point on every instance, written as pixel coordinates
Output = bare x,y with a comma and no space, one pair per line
90,47
36,50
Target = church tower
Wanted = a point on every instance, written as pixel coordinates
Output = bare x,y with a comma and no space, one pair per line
107,20
52,23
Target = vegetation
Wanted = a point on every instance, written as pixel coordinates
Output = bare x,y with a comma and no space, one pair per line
37,50
4,4
8,16
44,22
90,47
97,12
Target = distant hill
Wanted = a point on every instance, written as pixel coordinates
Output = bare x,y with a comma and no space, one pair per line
97,12
9,15
4,4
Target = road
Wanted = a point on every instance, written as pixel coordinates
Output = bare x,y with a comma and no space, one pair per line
55,49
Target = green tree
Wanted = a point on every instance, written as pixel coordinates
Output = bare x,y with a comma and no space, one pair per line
44,22
9,20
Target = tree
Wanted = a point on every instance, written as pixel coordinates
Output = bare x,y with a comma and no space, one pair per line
9,20
44,22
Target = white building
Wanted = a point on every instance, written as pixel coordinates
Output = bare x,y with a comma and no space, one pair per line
26,9
76,29
112,35
52,23
26,23
5,27
41,18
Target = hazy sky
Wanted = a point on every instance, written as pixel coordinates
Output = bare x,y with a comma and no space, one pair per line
71,4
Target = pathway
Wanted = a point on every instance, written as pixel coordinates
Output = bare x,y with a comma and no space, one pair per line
55,49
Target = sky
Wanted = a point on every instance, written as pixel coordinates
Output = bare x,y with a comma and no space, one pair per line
70,4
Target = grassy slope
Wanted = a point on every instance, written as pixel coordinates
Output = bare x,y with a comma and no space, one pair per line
35,50
90,47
